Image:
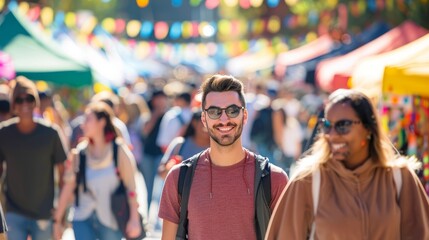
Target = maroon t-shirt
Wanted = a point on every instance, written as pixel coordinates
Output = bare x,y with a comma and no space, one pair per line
229,213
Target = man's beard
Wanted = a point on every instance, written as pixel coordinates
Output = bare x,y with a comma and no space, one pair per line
226,140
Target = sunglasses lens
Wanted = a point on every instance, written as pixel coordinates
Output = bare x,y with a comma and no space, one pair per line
343,126
28,99
214,112
232,111
19,100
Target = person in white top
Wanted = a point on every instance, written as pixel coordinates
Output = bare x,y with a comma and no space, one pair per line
288,135
93,217
175,120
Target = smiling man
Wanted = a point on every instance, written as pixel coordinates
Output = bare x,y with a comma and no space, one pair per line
223,200
31,149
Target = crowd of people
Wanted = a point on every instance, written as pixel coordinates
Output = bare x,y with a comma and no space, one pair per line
223,149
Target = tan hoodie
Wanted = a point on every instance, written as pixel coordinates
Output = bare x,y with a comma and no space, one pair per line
359,204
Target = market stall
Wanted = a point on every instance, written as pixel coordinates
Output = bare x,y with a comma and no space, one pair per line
38,57
334,73
368,74
320,46
305,71
405,110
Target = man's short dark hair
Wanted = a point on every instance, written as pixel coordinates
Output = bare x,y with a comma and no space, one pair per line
222,83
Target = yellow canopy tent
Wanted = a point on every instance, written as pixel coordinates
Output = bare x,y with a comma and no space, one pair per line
368,74
407,79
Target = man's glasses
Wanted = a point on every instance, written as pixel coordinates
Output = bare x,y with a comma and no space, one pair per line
231,111
27,99
342,127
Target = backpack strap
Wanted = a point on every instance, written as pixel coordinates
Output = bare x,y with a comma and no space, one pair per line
315,189
115,156
262,195
397,177
80,175
187,170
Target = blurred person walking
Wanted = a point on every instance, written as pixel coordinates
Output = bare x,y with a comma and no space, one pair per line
195,140
113,101
152,153
288,135
226,186
52,110
31,149
352,184
137,112
92,184
175,120
262,131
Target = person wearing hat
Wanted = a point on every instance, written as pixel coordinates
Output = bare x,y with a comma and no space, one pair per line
31,149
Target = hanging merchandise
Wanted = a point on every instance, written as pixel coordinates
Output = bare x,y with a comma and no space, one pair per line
426,170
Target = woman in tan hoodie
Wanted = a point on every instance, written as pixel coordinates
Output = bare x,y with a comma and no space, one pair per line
362,188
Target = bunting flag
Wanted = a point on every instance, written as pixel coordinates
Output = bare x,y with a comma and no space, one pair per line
135,31
174,30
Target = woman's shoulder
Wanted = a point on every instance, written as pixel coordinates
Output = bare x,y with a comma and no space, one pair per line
405,163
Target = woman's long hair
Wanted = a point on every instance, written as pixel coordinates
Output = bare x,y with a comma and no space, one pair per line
381,149
103,111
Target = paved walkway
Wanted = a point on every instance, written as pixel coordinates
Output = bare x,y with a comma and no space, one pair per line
68,235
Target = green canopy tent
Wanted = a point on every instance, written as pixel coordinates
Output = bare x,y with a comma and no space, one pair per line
38,57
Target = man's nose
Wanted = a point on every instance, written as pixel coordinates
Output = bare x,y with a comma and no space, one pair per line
223,116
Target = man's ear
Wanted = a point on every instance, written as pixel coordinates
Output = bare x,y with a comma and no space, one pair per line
203,119
245,116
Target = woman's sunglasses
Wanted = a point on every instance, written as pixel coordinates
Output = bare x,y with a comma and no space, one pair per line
27,99
342,127
231,111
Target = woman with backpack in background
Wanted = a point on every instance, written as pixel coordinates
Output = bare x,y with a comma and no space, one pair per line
97,180
352,184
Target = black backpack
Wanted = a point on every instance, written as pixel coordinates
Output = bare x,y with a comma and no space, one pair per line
262,194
